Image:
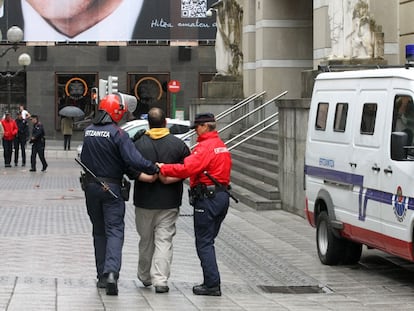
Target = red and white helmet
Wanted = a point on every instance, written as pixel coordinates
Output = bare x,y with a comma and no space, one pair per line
117,104
113,106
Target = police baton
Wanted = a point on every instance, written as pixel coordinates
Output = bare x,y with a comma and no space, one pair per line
218,185
104,185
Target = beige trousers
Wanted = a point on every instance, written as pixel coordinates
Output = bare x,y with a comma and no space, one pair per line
156,228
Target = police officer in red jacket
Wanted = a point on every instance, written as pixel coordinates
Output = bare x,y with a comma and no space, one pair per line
210,202
109,153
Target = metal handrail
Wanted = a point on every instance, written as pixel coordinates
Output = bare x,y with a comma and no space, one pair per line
252,128
239,105
256,125
253,111
248,114
229,110
254,134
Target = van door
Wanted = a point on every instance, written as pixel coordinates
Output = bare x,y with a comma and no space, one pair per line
329,147
397,178
367,162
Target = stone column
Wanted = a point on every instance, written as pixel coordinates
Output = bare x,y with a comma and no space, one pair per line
293,127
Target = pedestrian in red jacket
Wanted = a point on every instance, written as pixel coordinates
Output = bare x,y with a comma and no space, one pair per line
10,132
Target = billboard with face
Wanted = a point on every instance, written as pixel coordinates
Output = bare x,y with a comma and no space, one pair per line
108,20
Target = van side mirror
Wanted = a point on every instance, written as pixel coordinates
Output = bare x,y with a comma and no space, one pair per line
398,142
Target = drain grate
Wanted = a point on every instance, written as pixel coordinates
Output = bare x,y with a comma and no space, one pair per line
291,289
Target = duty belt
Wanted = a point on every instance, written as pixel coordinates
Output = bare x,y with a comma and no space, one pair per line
202,191
90,179
206,188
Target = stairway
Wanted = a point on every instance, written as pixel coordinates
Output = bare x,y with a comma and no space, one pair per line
254,176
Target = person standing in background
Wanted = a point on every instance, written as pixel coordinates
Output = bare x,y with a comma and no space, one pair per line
38,144
24,112
21,139
66,125
10,132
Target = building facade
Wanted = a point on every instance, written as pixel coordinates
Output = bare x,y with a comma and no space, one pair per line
277,45
145,43
280,40
65,74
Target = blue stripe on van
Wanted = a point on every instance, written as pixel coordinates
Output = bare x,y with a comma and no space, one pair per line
333,175
365,194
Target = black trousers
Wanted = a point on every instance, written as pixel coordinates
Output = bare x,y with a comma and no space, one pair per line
209,214
66,141
19,144
38,149
8,150
107,217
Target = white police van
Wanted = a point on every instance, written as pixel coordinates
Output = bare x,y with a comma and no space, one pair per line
359,163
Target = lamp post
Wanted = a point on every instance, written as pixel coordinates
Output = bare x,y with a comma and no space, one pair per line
14,36
24,60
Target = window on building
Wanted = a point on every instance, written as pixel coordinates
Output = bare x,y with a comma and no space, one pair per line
12,92
150,89
74,89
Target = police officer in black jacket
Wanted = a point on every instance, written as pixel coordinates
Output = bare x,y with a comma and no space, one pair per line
109,153
21,139
38,143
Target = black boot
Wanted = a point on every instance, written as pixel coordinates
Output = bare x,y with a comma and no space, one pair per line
112,284
101,282
207,291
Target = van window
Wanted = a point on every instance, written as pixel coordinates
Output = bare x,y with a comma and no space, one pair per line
403,116
321,116
402,122
369,114
341,112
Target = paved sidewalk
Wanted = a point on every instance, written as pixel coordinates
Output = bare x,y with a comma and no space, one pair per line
267,259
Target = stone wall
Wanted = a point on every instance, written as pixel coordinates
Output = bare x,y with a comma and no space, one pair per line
216,106
293,123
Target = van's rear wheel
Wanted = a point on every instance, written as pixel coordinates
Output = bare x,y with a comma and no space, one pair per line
330,248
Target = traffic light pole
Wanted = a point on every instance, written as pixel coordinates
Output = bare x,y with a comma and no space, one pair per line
112,84
103,88
174,99
109,86
174,87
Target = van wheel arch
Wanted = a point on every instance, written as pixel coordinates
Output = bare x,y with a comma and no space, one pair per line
324,203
